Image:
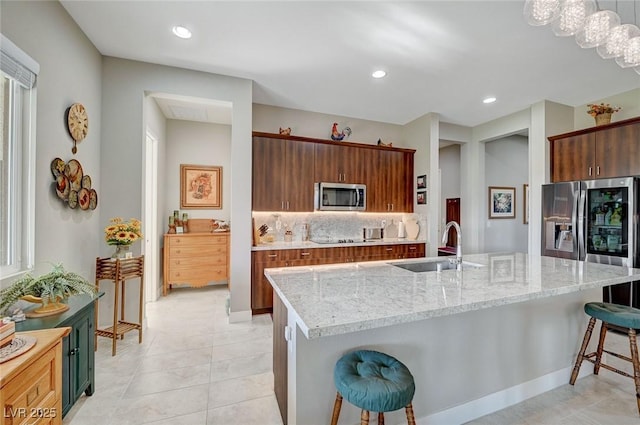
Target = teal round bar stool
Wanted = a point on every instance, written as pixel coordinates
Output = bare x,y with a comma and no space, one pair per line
374,382
611,315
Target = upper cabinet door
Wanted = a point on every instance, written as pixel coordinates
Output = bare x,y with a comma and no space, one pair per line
337,163
282,175
618,151
574,158
269,161
299,169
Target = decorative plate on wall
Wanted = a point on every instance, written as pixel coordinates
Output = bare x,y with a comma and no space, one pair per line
73,171
83,199
72,185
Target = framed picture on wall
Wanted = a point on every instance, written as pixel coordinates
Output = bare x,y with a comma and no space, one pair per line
200,186
421,181
502,202
421,196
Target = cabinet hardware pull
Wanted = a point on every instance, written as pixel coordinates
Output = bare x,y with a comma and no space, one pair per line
589,170
31,396
389,249
412,248
305,253
281,205
272,255
287,205
598,170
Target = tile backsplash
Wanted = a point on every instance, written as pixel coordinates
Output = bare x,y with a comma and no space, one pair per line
324,225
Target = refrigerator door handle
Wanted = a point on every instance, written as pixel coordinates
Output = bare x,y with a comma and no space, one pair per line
582,246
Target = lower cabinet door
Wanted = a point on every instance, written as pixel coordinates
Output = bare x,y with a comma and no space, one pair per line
81,358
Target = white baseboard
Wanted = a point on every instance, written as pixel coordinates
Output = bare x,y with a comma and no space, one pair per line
503,399
240,316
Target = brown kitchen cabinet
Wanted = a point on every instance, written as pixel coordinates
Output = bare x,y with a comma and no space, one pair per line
341,164
390,188
285,169
282,175
606,151
262,292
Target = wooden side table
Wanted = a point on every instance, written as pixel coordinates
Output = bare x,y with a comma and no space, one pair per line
119,271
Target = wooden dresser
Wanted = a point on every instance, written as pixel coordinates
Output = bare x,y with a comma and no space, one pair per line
31,384
195,259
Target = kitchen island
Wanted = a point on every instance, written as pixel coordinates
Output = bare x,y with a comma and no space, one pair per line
505,328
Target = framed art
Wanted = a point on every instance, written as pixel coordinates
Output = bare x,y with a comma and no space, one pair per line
421,181
502,268
200,186
422,197
502,202
525,203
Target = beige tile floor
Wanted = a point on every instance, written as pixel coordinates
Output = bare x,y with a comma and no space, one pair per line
194,368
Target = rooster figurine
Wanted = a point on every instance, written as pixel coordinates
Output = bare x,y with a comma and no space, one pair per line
339,135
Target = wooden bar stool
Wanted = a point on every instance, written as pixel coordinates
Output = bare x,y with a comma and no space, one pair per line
616,315
374,382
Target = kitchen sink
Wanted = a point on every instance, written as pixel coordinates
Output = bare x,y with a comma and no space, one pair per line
432,266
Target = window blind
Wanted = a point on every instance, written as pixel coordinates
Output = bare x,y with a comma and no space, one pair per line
16,64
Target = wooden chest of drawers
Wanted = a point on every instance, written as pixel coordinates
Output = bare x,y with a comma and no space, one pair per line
195,259
31,384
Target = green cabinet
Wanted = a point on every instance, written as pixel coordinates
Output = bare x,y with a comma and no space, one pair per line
78,361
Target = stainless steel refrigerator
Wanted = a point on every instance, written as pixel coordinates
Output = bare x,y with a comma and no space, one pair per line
595,221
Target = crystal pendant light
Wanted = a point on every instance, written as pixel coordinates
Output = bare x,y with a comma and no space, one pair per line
617,41
573,15
631,54
596,29
541,12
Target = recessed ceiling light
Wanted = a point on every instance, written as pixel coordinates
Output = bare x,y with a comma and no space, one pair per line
378,74
181,31
489,100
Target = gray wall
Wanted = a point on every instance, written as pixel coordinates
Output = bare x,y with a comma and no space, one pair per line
70,71
506,165
190,142
124,86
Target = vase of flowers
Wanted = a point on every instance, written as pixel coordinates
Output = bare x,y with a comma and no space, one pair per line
602,112
122,234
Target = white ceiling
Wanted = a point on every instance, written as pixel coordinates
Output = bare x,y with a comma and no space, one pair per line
440,56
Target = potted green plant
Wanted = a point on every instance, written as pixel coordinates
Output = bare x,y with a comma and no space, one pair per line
49,289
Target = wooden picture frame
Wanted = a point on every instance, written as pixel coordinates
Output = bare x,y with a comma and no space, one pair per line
200,186
502,202
525,203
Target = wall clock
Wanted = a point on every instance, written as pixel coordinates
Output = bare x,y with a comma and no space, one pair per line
77,123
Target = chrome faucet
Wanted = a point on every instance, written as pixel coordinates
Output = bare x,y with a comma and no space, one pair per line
445,237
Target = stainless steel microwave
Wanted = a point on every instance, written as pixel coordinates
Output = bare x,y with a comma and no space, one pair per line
340,197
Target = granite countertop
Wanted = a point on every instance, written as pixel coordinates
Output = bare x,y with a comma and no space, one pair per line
311,244
342,298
